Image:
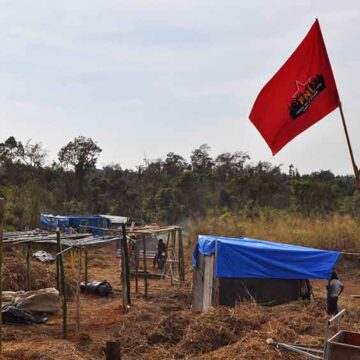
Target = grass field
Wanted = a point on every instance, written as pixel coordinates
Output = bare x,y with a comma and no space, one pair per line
336,232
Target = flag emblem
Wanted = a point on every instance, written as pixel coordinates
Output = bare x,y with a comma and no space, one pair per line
305,94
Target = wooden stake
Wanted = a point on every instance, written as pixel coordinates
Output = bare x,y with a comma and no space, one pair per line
72,259
28,267
166,255
127,267
124,283
63,287
181,257
2,214
59,249
356,170
136,267
145,267
63,283
113,350
77,310
86,269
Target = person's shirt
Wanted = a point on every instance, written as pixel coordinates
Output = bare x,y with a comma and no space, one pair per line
334,287
161,248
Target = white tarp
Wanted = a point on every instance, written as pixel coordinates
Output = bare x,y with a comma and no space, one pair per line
116,219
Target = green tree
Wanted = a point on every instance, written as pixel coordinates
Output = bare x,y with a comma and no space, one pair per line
201,161
81,154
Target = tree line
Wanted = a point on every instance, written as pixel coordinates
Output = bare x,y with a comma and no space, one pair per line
166,190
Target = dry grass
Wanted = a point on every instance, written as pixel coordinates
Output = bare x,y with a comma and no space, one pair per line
336,232
165,327
241,332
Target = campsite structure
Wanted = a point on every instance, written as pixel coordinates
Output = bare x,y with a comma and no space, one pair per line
68,242
229,270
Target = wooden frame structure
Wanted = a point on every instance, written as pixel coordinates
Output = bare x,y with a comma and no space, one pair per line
173,269
78,242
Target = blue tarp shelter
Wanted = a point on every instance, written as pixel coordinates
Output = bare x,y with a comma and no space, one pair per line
50,222
258,259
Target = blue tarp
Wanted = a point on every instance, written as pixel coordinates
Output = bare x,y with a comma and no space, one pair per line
50,222
259,259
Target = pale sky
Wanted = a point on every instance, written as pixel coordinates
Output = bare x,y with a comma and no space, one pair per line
151,77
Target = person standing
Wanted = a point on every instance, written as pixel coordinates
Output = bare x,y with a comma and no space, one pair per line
306,290
159,258
334,288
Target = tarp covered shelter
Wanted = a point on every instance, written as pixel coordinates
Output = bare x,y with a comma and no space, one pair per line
95,223
116,220
229,269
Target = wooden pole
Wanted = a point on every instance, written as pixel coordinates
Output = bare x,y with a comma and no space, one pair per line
63,287
72,259
176,262
77,310
59,249
124,284
127,267
86,269
63,283
181,257
28,267
145,267
2,214
86,260
166,255
113,350
136,267
356,170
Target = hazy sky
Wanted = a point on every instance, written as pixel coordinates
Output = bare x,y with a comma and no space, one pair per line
150,77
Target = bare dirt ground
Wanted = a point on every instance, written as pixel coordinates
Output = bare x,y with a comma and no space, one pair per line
164,327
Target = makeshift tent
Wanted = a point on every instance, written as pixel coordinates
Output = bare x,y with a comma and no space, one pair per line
51,222
115,220
92,224
227,270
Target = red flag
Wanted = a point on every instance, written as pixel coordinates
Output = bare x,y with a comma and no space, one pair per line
300,94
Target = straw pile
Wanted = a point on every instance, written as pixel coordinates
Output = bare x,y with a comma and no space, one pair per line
236,333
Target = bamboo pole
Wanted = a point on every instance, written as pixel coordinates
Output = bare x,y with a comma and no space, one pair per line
28,267
127,267
72,259
2,213
63,283
181,257
86,269
145,267
59,249
123,275
63,288
136,267
166,255
77,309
174,263
355,168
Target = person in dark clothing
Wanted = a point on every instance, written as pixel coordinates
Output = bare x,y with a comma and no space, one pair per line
334,289
159,258
306,290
